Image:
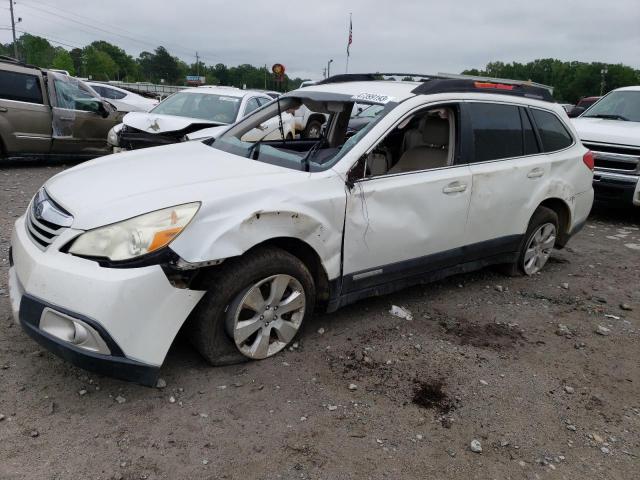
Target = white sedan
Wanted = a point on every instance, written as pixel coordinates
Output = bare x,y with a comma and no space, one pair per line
111,92
198,113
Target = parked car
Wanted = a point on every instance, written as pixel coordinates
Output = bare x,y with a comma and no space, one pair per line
582,105
193,113
111,92
611,129
245,239
48,115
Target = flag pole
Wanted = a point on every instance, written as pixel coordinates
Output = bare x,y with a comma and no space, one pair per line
350,40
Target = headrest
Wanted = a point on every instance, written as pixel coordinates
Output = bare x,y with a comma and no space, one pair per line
435,131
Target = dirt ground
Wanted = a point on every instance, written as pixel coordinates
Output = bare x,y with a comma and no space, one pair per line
366,395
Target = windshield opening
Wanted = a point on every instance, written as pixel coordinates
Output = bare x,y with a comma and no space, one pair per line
205,106
619,105
264,137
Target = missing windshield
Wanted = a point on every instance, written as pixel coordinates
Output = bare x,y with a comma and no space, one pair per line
270,135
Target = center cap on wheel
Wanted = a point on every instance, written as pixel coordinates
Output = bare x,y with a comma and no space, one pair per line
268,316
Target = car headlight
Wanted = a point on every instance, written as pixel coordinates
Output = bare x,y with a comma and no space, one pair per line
137,236
112,136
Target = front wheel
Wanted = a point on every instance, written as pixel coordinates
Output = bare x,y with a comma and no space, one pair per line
254,308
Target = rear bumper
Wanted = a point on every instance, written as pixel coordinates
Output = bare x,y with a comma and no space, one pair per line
614,188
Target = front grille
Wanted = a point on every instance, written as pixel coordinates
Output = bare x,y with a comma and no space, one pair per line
615,158
45,220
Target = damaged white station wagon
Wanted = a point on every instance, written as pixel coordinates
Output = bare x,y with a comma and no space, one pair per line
241,240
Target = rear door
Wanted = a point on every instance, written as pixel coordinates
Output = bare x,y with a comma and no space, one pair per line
509,175
25,118
78,125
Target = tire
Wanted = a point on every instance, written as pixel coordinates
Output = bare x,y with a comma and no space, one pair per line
211,326
542,218
313,129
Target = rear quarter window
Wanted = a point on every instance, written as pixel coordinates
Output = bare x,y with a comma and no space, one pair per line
553,133
21,87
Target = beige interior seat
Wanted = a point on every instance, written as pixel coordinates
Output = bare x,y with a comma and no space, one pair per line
425,147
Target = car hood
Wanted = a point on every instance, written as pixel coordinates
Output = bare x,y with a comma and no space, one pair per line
618,132
211,132
155,123
121,186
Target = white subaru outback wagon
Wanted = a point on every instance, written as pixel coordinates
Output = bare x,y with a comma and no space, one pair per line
239,240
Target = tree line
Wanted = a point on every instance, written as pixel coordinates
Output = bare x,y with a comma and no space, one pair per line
571,80
102,60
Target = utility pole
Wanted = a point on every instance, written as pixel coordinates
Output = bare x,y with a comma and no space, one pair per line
324,73
13,29
603,72
329,67
197,64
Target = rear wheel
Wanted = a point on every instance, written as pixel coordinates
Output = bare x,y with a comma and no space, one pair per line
538,243
254,308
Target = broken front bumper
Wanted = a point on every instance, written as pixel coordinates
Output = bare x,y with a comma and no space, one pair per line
135,312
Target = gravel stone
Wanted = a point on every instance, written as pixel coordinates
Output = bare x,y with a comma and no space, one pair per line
476,446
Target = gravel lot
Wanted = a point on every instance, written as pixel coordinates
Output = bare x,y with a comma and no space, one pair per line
365,394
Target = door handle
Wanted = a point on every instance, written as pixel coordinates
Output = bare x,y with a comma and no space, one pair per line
535,173
4,109
455,187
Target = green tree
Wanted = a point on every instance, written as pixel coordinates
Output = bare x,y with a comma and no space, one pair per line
63,61
36,50
100,65
127,67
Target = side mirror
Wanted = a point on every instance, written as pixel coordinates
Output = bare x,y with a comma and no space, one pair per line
576,112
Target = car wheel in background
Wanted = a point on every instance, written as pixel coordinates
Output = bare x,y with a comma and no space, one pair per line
313,129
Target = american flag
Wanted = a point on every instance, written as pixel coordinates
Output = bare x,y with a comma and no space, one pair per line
350,36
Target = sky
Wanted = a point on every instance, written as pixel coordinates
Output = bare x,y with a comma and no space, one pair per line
412,36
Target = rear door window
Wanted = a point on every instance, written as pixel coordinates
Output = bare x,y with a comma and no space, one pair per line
252,105
553,133
112,94
21,87
496,131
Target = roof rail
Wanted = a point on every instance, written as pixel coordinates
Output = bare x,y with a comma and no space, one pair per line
445,83
15,61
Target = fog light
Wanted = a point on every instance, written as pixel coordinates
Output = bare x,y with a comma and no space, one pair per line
73,331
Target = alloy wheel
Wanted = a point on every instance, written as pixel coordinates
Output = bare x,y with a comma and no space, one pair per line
539,248
267,316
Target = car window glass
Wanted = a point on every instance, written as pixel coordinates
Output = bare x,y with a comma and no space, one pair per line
20,87
497,131
423,141
264,100
99,90
206,106
72,96
113,94
553,134
252,105
529,136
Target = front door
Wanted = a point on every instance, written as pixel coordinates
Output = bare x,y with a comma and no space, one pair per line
79,126
407,216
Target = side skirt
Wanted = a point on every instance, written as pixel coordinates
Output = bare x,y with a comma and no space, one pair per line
391,278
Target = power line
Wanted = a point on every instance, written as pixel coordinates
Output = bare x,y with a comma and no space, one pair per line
116,27
186,51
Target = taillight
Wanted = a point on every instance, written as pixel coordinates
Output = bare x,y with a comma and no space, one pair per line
589,160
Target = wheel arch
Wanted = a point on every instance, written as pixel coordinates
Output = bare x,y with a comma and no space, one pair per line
563,211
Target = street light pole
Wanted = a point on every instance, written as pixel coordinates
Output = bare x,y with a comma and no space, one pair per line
329,68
